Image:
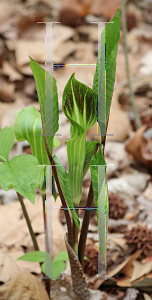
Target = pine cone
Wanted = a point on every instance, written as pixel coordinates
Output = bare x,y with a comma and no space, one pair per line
117,207
140,237
90,267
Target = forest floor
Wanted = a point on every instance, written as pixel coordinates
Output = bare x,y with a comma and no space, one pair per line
128,151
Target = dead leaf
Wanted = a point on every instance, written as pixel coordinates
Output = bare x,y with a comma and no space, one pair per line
7,91
140,269
129,260
26,48
107,8
143,282
8,268
131,215
146,296
121,242
140,147
124,281
23,286
10,71
119,125
66,49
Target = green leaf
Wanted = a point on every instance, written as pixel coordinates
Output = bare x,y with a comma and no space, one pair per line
28,126
48,101
90,150
79,104
58,267
36,256
96,160
66,188
7,139
63,255
56,142
110,35
23,174
101,197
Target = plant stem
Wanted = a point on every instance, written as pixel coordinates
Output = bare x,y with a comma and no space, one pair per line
33,237
36,247
85,225
66,212
124,27
75,234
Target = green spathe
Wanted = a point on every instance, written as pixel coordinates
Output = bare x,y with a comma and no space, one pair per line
79,106
28,126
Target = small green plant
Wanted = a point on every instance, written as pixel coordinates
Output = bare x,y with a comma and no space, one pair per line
57,266
25,173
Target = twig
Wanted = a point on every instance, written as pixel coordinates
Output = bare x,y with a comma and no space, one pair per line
136,114
33,237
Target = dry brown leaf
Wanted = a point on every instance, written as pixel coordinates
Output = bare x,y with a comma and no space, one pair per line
64,51
140,269
29,17
26,48
23,286
14,253
140,147
10,235
8,268
121,242
10,71
124,282
146,296
149,275
128,270
107,8
7,91
119,125
128,261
